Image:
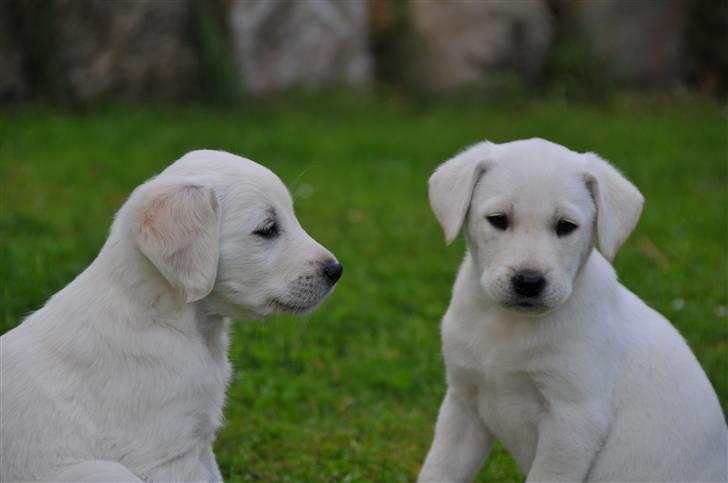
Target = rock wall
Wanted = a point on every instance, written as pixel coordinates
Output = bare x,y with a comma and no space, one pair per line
13,81
87,50
638,42
280,44
466,41
129,49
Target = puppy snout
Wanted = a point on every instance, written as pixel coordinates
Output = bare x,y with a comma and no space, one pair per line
332,271
528,283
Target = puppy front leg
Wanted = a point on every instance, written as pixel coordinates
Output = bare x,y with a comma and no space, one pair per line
569,438
208,460
461,442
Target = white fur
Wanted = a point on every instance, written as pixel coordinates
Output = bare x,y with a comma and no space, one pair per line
587,383
128,363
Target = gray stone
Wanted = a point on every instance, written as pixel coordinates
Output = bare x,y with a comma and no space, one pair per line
13,81
311,43
465,41
637,41
127,49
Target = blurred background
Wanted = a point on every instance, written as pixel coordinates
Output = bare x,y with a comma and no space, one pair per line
353,103
87,51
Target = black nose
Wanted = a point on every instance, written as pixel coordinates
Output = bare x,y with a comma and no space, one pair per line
332,271
528,283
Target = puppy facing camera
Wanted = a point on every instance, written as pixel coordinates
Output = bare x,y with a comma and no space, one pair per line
544,349
121,376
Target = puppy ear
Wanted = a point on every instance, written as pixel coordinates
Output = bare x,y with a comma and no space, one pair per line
178,232
618,202
451,187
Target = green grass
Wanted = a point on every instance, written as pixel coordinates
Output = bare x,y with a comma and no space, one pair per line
351,392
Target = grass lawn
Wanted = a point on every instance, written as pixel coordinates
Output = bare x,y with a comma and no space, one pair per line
351,392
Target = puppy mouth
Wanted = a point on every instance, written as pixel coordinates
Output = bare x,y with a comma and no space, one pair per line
527,305
281,307
303,297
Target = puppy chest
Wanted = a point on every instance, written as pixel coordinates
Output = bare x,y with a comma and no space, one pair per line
193,404
511,408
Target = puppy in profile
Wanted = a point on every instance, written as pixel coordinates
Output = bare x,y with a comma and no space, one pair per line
544,349
121,376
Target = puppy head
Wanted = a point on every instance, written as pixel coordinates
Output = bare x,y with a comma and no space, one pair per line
221,229
532,211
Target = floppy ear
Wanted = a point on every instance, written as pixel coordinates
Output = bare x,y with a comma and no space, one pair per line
618,202
178,232
451,187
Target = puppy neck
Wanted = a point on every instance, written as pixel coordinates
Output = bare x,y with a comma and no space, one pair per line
130,275
154,300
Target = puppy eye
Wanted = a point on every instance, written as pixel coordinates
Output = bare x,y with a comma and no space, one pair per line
267,231
499,221
565,227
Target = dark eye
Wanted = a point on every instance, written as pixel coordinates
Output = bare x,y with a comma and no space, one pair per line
499,221
565,227
268,230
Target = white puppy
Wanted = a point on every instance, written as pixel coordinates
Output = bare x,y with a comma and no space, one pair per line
122,374
544,349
